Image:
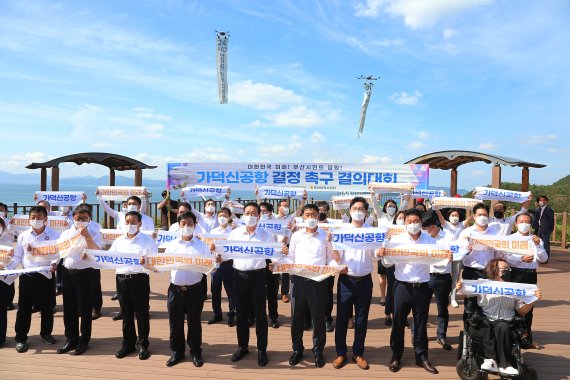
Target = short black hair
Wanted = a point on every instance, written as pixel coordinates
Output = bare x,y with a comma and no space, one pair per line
185,204
358,199
267,205
523,213
310,206
451,211
412,211
135,198
324,204
82,209
479,206
187,215
135,213
429,219
253,204
543,196
225,210
387,203
4,205
209,200
39,210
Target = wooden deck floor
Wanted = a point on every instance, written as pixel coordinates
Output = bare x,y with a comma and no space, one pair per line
551,328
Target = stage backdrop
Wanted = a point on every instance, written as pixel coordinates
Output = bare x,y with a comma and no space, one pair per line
312,177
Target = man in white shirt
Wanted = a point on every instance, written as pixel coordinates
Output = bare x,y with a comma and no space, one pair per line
506,224
208,219
133,287
36,286
354,290
309,246
6,282
272,279
185,295
250,284
411,292
523,268
77,280
133,203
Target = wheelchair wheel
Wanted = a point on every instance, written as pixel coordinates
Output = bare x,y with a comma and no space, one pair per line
460,346
468,369
527,373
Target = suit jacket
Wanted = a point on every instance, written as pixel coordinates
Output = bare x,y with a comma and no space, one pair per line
546,221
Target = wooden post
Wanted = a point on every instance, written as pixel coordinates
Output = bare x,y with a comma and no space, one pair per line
138,177
453,183
525,179
564,223
496,180
108,220
43,179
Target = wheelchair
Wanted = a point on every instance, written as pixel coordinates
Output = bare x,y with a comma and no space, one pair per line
470,351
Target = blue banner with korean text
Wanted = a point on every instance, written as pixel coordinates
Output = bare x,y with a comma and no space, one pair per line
311,176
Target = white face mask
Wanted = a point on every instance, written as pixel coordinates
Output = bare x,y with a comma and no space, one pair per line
132,228
210,208
79,225
187,231
454,220
523,228
285,210
482,220
357,215
541,204
264,217
399,222
222,220
390,210
414,228
311,222
37,224
249,220
132,208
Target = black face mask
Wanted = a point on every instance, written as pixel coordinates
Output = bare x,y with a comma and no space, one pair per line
506,275
499,214
322,216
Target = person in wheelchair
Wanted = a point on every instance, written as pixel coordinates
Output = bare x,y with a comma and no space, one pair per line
495,326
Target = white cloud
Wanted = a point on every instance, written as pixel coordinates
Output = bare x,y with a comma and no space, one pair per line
415,145
479,173
197,155
369,9
540,139
386,42
404,99
149,113
262,96
370,159
317,137
424,135
272,150
558,150
449,33
487,146
299,116
20,161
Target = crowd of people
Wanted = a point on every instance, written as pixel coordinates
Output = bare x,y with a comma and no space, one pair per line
253,289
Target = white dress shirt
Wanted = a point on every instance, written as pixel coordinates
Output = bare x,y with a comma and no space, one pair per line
141,244
444,238
505,225
192,247
242,234
311,248
30,237
119,216
452,232
478,258
358,261
412,272
515,261
220,230
73,260
497,306
206,222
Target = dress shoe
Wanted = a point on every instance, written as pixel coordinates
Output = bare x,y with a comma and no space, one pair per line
275,323
319,360
22,347
173,360
296,357
329,326
96,315
115,297
48,339
81,348
262,358
197,361
351,323
68,346
214,319
427,366
10,306
339,362
360,362
239,354
394,366
388,321
118,316
144,353
286,298
444,344
231,321
124,352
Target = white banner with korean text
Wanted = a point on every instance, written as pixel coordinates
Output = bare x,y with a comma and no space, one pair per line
60,198
432,254
120,193
523,292
515,243
216,192
492,194
237,249
314,272
164,262
99,259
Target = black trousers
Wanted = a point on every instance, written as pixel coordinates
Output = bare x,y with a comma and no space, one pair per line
4,302
97,295
224,275
285,284
77,302
185,302
525,276
497,339
204,283
134,291
308,294
12,293
329,304
272,286
250,293
471,302
34,287
545,236
440,285
415,299
390,281
352,292
59,276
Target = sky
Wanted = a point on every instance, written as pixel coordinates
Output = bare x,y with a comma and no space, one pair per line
138,78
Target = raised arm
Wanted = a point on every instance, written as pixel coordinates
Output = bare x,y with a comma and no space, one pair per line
442,220
112,213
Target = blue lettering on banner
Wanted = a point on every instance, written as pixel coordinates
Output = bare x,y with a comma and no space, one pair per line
501,193
229,177
369,237
116,260
267,251
61,198
487,289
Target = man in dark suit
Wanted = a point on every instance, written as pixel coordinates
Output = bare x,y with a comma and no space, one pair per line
544,215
